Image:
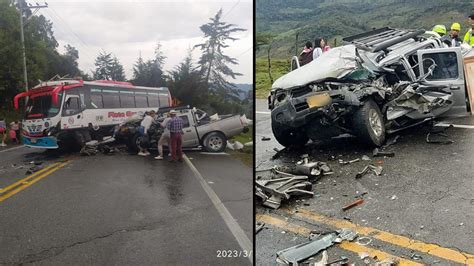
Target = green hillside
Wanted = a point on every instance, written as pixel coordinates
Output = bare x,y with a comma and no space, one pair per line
278,22
334,19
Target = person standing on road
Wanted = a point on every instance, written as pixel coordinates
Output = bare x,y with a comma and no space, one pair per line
165,137
15,132
175,126
143,130
3,132
469,36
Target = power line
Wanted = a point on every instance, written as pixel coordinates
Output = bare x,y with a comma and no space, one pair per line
84,44
69,34
232,8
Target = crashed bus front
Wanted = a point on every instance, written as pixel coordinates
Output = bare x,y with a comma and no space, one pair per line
73,112
368,91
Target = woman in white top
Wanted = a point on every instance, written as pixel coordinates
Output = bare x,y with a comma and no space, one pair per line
320,47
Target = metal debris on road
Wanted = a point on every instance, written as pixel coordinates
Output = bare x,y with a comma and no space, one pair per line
273,191
394,197
33,169
379,153
363,241
376,169
259,226
353,204
342,162
266,138
301,252
415,256
391,141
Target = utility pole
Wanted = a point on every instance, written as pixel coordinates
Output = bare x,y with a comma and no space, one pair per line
22,8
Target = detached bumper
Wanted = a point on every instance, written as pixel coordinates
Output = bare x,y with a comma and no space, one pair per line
41,142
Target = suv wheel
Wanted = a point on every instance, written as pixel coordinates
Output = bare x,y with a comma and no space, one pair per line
369,125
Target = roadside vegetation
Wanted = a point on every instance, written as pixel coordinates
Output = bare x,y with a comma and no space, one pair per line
262,79
246,154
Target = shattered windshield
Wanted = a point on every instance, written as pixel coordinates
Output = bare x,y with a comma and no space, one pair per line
42,107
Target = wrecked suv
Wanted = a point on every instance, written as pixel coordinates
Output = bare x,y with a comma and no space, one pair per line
377,83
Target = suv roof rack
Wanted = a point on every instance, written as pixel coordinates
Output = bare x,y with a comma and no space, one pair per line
380,39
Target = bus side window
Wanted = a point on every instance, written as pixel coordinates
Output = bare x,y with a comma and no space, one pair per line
127,101
153,100
96,101
164,100
72,106
141,101
111,100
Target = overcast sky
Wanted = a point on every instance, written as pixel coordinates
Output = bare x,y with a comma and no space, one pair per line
126,28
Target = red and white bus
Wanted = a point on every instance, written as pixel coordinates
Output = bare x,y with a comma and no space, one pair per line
75,111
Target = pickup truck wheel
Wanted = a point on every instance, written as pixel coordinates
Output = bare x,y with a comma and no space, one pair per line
290,137
369,125
215,142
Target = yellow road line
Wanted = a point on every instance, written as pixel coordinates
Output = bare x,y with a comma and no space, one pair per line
26,178
349,246
32,181
404,242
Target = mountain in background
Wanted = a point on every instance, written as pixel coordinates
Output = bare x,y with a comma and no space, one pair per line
245,90
335,19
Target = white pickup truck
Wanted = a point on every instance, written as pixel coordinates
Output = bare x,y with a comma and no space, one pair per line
200,129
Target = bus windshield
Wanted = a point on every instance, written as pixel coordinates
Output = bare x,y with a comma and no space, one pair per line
42,107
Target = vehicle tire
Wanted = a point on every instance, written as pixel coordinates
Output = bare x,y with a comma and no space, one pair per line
289,137
215,142
369,125
133,143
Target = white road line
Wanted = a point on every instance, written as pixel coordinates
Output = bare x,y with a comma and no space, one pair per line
454,125
263,113
14,148
233,226
214,153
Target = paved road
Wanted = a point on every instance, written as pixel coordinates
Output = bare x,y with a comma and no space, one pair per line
122,209
431,214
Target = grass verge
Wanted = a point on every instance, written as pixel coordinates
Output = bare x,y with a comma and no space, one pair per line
263,83
246,154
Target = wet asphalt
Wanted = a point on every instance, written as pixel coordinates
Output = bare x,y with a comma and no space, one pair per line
425,191
122,209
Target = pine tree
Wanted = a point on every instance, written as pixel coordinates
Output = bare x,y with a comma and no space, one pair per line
214,63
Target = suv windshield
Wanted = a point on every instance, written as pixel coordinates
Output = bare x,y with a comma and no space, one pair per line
42,107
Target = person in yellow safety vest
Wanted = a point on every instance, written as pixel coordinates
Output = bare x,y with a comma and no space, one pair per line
440,29
469,37
454,34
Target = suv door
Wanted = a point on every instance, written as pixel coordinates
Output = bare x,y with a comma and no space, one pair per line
448,71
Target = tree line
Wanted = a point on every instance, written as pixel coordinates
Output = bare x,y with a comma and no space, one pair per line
204,84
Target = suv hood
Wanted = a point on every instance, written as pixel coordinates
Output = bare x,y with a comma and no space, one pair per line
336,63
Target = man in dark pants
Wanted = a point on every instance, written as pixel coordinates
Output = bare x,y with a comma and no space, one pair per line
175,125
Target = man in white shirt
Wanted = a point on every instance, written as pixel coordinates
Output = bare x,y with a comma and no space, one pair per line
144,126
165,137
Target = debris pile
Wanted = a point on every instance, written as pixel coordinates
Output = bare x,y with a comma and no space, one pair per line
93,147
273,191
